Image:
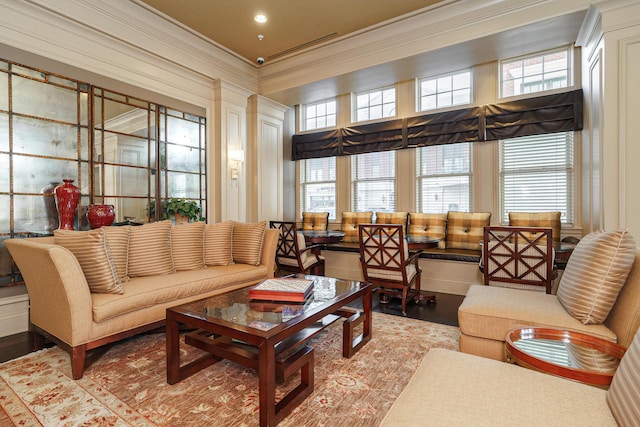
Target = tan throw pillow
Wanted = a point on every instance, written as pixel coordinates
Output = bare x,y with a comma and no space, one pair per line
118,240
92,252
595,273
187,246
150,249
622,396
217,243
247,242
465,230
432,225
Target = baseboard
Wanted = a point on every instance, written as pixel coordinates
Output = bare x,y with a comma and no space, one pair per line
15,315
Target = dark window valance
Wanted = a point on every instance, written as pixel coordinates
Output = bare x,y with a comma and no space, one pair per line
532,116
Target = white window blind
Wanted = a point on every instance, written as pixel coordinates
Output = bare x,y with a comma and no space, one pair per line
444,178
445,90
535,73
373,182
319,115
537,174
376,104
318,185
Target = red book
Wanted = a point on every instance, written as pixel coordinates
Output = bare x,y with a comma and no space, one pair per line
283,289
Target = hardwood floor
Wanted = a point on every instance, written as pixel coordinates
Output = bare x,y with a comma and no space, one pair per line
444,311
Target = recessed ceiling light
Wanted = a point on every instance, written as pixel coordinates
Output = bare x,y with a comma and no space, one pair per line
261,19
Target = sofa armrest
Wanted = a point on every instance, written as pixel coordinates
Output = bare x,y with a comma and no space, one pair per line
59,298
269,246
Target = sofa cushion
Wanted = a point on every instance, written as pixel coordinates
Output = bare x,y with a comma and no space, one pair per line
490,312
350,221
92,252
538,219
315,220
466,229
247,242
595,273
466,390
118,240
150,249
217,243
433,225
187,246
622,396
393,218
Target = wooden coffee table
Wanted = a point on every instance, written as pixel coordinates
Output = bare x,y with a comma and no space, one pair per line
269,337
569,354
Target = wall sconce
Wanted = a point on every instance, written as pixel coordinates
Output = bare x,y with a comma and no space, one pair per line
235,158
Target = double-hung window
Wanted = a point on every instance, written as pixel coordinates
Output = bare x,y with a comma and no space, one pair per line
373,179
318,185
444,178
446,90
319,115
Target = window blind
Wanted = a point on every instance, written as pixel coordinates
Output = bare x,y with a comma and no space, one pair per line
373,182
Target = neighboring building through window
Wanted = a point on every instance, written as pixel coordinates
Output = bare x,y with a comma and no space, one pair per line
318,185
537,174
535,73
319,115
375,104
445,90
373,177
444,178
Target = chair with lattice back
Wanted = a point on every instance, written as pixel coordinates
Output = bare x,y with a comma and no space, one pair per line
293,255
518,257
387,264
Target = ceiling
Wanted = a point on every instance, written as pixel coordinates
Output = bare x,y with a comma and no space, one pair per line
292,25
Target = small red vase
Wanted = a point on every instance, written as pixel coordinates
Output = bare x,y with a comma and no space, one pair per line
100,215
67,197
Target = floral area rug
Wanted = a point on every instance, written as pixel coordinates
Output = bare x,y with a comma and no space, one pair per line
127,386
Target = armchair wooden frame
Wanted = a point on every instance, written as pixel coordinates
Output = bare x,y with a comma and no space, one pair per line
386,262
289,248
518,255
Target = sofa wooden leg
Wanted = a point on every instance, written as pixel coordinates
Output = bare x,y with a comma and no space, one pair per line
78,355
37,340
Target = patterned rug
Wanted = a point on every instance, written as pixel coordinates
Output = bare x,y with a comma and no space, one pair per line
127,385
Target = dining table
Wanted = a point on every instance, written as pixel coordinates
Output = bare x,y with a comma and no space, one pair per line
322,237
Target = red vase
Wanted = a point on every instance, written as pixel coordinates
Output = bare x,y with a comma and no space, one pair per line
100,215
67,197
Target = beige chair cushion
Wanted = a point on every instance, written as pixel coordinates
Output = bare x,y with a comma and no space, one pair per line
538,219
247,242
393,218
315,220
595,273
118,240
187,246
306,258
433,225
92,252
465,230
350,221
150,249
217,243
622,396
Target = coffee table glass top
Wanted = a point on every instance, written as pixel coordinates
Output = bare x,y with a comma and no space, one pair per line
237,309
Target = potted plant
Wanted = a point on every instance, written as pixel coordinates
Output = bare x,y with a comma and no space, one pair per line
182,210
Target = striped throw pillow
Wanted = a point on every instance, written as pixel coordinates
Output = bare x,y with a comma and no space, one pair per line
350,221
247,242
150,249
465,230
118,240
217,243
92,252
622,396
432,225
595,273
187,246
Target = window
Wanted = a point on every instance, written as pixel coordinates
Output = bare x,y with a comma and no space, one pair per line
537,174
535,73
319,115
373,181
444,178
377,104
445,91
318,185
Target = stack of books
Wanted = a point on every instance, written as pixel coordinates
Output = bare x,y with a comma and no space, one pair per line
282,289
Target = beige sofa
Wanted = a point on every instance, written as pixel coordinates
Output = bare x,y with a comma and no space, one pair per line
487,313
68,307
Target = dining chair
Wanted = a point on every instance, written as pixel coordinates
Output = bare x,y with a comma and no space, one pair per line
387,264
518,257
292,254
